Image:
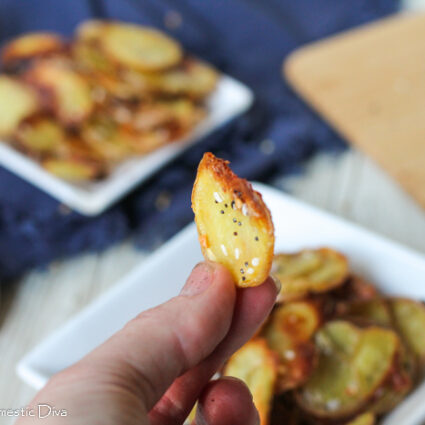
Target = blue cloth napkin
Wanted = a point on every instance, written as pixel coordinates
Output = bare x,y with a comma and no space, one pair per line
247,39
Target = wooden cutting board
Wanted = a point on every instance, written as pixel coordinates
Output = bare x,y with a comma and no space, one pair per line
369,84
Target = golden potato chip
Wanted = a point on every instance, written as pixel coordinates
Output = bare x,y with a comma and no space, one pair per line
398,383
289,333
90,30
192,78
234,225
175,116
17,101
375,311
367,418
256,365
309,271
139,47
89,58
101,133
68,93
353,363
73,169
39,136
31,45
409,320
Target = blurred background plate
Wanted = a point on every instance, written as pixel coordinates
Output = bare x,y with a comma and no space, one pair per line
297,225
230,99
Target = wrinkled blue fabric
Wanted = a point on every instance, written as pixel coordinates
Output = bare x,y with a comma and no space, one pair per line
247,39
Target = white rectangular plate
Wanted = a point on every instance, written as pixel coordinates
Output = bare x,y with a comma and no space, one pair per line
394,268
229,99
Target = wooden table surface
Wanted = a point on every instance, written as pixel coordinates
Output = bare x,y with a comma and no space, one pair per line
348,185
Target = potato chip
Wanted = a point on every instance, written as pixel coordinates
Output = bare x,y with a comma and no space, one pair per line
309,271
409,319
398,383
192,78
73,169
353,363
289,333
256,365
101,133
67,92
39,136
234,225
17,101
29,46
376,311
139,47
90,30
367,418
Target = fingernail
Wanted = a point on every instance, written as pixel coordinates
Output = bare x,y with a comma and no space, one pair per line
276,282
199,280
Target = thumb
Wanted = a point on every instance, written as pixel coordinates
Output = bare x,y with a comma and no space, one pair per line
160,344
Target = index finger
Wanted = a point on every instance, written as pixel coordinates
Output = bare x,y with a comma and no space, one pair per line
252,307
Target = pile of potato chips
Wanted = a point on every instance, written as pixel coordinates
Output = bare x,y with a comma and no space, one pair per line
114,91
334,350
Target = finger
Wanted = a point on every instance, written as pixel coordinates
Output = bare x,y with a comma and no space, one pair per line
226,401
252,307
156,347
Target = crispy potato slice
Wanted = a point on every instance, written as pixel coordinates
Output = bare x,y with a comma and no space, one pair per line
176,116
39,136
17,101
289,332
73,169
139,47
29,46
309,271
101,133
353,363
409,319
356,288
367,418
89,58
90,30
256,365
67,92
375,311
191,78
234,225
397,385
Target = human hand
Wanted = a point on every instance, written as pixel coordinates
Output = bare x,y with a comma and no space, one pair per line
155,368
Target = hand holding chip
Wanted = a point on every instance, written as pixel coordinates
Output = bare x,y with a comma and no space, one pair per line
160,363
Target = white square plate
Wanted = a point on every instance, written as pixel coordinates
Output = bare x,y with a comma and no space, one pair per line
229,99
394,269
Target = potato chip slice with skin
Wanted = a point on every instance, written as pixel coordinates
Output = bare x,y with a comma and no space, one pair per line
309,271
30,46
256,365
65,91
376,311
289,333
409,320
139,47
39,136
17,101
367,418
73,169
353,363
234,225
